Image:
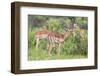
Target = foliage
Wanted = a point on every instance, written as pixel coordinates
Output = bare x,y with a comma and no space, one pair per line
75,46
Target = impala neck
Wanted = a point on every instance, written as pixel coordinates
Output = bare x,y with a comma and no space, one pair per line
66,34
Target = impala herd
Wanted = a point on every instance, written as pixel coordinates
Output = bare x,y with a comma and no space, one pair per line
52,38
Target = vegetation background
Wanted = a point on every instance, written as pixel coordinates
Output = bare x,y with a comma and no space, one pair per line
74,47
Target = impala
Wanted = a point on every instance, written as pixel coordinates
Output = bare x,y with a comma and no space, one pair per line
41,35
58,38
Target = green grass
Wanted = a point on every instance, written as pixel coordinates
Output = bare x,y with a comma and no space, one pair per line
41,54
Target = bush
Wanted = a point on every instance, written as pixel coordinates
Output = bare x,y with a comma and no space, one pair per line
76,44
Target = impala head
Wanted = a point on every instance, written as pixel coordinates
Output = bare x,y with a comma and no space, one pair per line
68,31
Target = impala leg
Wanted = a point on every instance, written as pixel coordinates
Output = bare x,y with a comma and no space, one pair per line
37,43
59,45
49,50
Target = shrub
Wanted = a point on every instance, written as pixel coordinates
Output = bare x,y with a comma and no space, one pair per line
76,44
